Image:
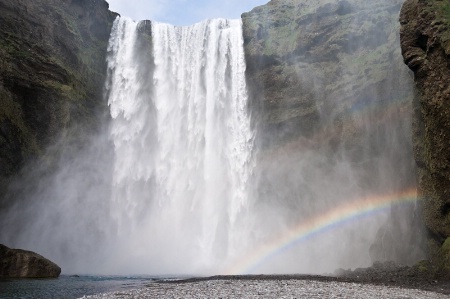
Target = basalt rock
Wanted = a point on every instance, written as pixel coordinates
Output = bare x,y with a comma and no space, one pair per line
52,71
312,62
328,86
17,263
425,43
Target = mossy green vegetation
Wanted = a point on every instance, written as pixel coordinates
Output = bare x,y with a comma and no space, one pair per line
441,9
446,247
423,266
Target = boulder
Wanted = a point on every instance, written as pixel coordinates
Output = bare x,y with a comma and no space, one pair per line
17,263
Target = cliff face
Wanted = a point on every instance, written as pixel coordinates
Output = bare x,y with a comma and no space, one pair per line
330,98
52,71
425,43
331,102
305,56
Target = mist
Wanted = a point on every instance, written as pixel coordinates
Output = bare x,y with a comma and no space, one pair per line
327,139
187,175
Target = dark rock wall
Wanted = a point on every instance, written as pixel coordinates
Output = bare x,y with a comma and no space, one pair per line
52,71
331,102
425,43
303,57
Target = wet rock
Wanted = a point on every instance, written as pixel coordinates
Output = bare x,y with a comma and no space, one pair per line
17,263
328,77
52,71
424,275
303,57
424,35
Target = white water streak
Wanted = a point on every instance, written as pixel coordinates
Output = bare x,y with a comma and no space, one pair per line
182,172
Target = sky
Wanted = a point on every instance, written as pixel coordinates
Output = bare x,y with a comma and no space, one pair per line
182,12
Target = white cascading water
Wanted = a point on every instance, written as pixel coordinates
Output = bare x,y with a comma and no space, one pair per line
183,145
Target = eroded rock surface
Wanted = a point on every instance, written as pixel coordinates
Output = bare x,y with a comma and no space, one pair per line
17,263
52,71
332,102
310,62
425,43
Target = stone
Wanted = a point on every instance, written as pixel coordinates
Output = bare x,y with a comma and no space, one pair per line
424,35
17,263
303,57
52,71
328,77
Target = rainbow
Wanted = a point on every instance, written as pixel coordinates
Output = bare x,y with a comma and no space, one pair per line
318,224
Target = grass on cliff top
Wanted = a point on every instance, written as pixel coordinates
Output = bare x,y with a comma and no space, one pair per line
442,9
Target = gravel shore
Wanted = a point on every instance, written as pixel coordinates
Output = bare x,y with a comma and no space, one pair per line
268,287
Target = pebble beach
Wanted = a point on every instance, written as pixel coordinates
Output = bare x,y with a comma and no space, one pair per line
236,288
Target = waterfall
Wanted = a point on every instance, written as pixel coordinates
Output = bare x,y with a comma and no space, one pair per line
173,183
182,141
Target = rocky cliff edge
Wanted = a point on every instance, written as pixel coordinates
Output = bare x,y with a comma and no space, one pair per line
425,43
52,71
